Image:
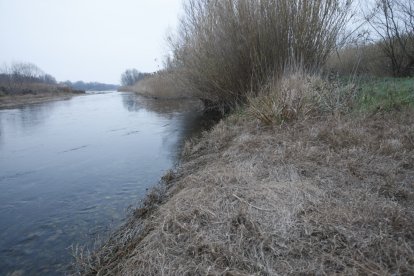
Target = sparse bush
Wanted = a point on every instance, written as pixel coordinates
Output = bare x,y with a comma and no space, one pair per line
393,22
225,49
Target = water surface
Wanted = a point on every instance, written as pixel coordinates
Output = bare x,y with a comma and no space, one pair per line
69,170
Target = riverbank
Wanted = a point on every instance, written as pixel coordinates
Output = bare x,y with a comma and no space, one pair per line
159,86
16,100
326,194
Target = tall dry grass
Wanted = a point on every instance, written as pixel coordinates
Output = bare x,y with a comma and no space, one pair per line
161,85
225,49
298,95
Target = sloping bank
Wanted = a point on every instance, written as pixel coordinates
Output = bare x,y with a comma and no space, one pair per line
330,194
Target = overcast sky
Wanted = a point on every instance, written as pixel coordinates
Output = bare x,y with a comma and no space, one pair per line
90,40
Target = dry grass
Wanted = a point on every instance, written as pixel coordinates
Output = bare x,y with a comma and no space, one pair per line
298,96
160,86
330,195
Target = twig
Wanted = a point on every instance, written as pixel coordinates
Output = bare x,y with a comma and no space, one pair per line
255,207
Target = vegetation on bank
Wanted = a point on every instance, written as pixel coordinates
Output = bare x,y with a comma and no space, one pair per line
25,83
22,79
90,86
132,76
160,85
310,172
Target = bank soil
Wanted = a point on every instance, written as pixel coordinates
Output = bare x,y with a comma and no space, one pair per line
324,196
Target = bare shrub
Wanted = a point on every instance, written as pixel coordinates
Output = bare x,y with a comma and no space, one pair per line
224,49
393,22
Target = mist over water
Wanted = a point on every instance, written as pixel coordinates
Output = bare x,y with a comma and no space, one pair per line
70,169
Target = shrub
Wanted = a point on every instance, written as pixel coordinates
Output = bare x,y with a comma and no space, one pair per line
224,49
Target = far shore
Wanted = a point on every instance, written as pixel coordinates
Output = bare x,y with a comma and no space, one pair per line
13,101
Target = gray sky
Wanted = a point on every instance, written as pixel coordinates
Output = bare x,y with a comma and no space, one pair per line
90,40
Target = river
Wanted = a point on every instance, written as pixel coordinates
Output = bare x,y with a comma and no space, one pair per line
70,169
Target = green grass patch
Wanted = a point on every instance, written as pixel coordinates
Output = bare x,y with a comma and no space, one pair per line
385,94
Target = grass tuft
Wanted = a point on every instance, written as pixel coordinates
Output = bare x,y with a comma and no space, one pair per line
298,96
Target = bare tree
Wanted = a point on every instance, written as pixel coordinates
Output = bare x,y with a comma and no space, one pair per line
25,73
131,76
393,22
20,75
49,79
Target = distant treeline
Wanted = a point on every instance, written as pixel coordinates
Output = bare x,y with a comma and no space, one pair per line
27,78
23,73
91,86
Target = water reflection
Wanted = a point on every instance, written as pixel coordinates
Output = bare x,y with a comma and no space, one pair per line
189,117
1,130
70,169
29,116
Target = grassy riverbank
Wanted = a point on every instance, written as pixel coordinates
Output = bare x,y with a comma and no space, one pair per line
303,175
159,86
268,191
34,93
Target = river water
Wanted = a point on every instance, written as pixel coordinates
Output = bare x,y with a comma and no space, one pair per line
70,169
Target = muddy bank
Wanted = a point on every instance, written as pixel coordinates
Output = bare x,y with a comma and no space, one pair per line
326,195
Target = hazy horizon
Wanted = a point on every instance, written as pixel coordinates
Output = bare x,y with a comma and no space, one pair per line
94,40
